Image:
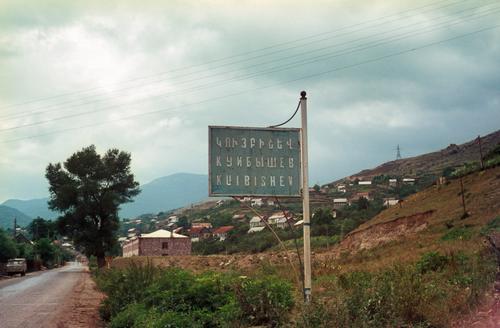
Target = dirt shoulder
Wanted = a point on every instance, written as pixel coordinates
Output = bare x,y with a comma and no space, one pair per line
82,307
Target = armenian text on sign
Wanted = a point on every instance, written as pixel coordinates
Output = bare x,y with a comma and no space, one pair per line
254,161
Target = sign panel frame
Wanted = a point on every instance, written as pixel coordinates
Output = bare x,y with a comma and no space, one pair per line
297,155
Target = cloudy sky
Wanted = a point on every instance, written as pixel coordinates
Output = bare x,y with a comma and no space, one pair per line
148,77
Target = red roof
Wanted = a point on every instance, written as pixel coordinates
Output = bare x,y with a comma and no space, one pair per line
197,230
224,229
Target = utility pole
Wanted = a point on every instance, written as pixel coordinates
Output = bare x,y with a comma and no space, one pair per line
398,153
463,198
305,199
480,152
15,226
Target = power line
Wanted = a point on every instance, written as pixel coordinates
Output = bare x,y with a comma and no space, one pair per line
264,87
307,38
272,70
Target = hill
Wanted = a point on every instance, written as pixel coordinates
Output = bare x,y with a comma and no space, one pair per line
7,215
32,207
428,221
433,163
166,193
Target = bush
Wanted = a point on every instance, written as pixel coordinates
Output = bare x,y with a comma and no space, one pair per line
432,261
152,297
264,300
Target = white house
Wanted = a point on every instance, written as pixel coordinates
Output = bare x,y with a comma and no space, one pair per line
409,181
256,224
388,202
393,182
364,183
257,202
340,202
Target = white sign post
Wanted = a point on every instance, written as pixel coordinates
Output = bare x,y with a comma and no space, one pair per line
305,199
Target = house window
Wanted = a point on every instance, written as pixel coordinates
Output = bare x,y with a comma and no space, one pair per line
164,245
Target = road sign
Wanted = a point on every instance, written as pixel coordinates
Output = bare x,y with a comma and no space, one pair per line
247,161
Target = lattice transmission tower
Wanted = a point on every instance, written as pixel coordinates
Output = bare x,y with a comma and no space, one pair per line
398,153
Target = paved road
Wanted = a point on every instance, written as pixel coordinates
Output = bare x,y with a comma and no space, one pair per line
35,300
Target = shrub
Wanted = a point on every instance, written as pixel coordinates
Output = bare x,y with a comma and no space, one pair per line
264,300
431,261
151,297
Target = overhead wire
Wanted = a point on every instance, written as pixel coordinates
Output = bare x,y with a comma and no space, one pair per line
307,38
56,107
274,69
412,49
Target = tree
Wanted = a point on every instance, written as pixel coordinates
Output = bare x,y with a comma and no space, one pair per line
40,228
89,190
316,188
8,247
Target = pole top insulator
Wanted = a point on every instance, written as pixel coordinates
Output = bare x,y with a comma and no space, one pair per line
303,94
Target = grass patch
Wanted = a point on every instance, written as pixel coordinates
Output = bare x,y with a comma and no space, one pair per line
458,233
491,226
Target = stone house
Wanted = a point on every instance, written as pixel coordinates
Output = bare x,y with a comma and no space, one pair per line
158,243
222,232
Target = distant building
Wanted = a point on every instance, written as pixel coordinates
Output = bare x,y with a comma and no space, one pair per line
202,224
239,217
393,182
341,188
221,232
158,243
199,233
358,195
256,224
364,183
340,202
280,220
409,181
257,202
388,202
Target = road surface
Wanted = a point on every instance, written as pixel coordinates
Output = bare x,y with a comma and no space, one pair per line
40,299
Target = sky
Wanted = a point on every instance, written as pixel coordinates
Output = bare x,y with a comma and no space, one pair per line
148,77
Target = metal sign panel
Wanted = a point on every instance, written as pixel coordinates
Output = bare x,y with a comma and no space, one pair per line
254,161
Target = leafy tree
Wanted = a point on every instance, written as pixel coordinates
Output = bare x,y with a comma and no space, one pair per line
40,228
316,188
8,247
183,222
88,189
46,250
363,203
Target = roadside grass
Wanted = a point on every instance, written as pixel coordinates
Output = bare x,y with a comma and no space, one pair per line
148,296
428,293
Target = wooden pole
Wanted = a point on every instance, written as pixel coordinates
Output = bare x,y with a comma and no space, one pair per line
463,197
305,199
480,152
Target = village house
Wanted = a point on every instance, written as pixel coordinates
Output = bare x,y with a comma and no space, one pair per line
256,224
409,181
222,232
365,183
341,188
202,224
388,202
393,182
198,233
280,220
257,202
239,217
158,243
358,195
340,202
